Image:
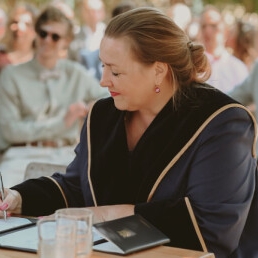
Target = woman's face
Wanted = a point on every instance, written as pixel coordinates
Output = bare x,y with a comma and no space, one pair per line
130,83
51,39
22,27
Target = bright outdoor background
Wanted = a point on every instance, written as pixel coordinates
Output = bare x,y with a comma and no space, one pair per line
249,6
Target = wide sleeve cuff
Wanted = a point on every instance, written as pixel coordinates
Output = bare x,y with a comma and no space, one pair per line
36,200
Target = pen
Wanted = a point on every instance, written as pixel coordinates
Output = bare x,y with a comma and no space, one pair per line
2,192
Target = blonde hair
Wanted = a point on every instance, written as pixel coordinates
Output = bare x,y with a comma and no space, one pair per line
155,37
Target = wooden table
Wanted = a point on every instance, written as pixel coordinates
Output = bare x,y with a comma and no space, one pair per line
156,252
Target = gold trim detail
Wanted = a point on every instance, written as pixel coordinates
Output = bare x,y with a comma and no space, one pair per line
197,133
89,157
61,190
195,224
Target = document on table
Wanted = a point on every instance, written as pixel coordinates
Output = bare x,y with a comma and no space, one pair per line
26,239
122,236
14,223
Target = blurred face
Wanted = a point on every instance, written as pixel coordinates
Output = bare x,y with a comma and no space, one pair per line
2,25
92,12
22,27
51,39
212,30
129,82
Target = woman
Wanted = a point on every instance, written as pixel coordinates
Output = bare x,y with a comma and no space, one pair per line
18,44
165,145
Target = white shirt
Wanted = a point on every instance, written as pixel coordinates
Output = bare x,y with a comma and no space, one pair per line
227,71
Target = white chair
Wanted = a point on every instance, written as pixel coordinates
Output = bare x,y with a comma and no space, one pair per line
38,169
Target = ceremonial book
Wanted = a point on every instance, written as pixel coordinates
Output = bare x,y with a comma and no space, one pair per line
129,234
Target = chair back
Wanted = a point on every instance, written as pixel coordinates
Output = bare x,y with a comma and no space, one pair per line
38,169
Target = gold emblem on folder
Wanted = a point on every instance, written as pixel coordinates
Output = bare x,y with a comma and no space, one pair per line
125,233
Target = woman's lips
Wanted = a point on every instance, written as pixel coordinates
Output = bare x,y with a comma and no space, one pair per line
113,94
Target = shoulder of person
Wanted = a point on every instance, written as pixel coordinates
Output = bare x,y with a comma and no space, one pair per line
238,62
72,65
17,69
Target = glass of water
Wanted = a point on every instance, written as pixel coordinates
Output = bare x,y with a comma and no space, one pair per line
83,235
56,238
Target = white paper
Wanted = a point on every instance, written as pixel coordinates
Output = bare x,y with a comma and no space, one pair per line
13,222
27,238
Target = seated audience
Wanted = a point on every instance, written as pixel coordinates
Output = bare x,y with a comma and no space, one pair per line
165,145
18,44
227,70
43,101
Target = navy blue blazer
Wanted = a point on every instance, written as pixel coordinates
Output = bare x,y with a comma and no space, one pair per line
192,174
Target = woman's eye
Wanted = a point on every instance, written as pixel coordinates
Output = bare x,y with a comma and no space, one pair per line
116,74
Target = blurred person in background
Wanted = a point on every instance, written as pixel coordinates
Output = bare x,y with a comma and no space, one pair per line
64,7
44,101
68,11
181,15
18,44
91,31
247,92
90,59
227,70
243,41
122,7
3,21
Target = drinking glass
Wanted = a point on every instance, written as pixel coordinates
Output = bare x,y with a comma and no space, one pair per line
56,238
83,234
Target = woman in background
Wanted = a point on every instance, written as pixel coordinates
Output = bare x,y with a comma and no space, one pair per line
18,44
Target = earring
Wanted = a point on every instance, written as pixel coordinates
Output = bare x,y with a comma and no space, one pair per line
157,89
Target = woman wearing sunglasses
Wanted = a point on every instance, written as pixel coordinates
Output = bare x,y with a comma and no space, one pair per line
43,101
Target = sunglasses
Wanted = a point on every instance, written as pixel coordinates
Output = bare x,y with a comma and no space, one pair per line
43,34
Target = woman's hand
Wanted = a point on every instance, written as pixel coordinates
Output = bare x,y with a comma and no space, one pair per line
12,202
110,212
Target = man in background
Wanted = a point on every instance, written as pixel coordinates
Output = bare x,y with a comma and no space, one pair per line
92,29
227,70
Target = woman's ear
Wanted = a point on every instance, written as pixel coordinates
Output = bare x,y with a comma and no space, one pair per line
161,70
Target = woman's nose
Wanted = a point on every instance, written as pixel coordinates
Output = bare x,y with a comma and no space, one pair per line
104,80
